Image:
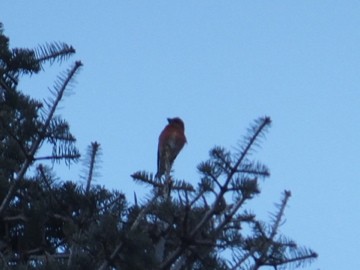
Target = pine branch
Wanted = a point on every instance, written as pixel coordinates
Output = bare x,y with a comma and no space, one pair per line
242,260
118,198
265,250
53,51
58,130
39,139
45,178
59,90
21,61
144,177
211,172
58,157
94,151
222,161
66,150
133,227
258,170
181,185
280,214
255,132
229,216
299,260
199,195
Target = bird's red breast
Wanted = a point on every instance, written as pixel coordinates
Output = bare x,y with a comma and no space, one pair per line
171,140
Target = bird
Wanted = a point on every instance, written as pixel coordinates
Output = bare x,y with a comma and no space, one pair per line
171,140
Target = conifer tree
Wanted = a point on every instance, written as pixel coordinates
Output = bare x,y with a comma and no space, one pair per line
50,224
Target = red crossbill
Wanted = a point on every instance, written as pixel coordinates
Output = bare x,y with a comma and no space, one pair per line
171,141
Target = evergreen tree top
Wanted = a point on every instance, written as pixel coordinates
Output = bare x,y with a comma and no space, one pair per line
46,223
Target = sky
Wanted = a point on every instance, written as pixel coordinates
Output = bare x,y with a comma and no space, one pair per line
218,65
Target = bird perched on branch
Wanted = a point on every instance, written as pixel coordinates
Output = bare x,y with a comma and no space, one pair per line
171,141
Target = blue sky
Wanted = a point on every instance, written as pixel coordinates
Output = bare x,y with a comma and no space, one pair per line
218,65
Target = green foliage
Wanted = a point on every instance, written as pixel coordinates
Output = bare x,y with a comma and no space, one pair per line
49,224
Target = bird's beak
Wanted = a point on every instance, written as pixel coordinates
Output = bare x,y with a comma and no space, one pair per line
169,120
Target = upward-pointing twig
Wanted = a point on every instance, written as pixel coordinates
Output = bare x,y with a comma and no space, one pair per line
94,150
279,216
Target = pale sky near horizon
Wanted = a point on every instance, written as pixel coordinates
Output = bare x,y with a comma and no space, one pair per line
217,65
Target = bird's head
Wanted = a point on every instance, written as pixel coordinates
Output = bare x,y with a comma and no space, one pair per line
176,121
